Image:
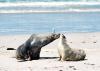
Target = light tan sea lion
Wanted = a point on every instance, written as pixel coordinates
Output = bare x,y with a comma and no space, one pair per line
32,47
66,53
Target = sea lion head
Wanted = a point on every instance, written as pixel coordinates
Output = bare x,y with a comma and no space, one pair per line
62,36
55,36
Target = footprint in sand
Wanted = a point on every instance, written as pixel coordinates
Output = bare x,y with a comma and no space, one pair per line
89,64
73,67
83,42
94,41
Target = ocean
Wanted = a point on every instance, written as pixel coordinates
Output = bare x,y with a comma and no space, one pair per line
28,23
28,17
48,0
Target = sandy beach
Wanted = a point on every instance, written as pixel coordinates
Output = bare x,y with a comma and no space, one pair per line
90,42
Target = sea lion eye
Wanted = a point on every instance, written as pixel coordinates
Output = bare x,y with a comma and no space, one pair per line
53,35
63,36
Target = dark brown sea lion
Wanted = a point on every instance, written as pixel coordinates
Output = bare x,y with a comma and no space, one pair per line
32,47
66,53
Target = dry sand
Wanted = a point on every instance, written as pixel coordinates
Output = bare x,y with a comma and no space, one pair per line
90,42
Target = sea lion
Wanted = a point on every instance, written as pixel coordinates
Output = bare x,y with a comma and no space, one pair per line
66,53
32,47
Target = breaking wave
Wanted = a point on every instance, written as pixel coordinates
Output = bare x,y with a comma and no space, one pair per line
49,7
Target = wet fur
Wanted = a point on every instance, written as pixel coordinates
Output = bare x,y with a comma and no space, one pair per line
31,49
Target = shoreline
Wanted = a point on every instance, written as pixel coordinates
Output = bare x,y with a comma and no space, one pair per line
49,33
48,61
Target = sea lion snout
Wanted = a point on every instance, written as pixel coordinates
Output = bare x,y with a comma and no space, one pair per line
56,36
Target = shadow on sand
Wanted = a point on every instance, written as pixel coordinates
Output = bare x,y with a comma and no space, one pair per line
49,57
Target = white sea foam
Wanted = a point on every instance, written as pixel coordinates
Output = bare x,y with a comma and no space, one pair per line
48,11
48,5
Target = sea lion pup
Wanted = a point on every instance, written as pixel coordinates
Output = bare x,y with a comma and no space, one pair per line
68,54
31,48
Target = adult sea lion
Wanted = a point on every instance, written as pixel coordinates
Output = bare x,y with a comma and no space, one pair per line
32,47
68,54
